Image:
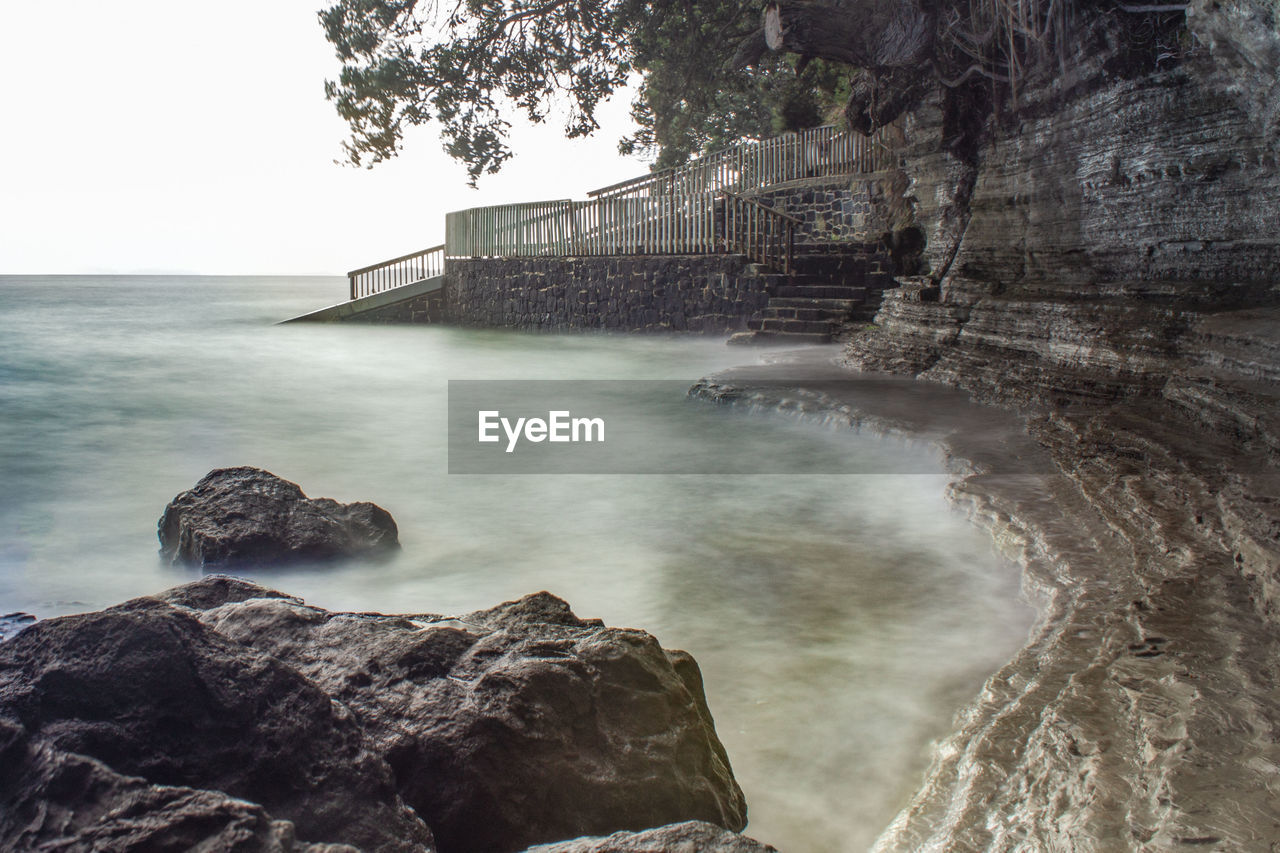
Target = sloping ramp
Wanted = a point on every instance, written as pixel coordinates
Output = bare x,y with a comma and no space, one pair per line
352,309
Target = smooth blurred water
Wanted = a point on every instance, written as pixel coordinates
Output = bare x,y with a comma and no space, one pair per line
839,620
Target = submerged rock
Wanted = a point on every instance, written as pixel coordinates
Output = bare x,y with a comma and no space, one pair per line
228,716
245,517
692,836
12,623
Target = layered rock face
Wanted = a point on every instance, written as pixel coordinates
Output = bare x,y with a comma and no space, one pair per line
1106,264
1083,254
230,716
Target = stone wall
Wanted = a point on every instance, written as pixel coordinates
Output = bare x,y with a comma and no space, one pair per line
427,308
846,209
714,294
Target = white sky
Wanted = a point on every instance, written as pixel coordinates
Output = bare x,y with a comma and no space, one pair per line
170,136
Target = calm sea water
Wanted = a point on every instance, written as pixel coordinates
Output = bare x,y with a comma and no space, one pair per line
840,620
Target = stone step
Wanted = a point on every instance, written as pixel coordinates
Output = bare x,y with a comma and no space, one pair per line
833,259
806,313
820,291
810,249
832,280
769,324
852,275
824,303
758,338
807,262
801,279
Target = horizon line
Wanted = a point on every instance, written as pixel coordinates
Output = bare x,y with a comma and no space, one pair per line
183,273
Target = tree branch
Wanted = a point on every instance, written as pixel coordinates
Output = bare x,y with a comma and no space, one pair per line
749,52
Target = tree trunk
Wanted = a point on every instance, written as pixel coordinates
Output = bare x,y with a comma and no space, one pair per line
874,34
877,98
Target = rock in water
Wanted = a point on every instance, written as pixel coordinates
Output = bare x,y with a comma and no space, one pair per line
12,623
513,726
693,836
246,517
147,690
224,716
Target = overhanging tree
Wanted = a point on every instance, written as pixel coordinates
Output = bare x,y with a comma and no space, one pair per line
396,73
466,66
710,71
695,95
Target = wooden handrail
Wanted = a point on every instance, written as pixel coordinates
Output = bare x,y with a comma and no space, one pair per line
626,225
696,208
772,211
765,235
652,177
396,272
510,230
407,257
823,151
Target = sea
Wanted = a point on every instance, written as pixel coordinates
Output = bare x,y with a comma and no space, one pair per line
841,615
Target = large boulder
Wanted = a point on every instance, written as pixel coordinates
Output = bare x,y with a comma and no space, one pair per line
222,715
512,726
149,691
245,517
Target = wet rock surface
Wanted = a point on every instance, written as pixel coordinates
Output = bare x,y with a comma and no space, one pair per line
12,623
516,725
687,837
1141,714
246,517
226,714
1104,266
55,800
149,691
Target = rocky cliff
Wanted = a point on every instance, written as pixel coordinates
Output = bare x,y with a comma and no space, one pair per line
1101,256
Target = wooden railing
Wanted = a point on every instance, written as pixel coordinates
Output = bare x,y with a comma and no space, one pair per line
396,272
673,211
640,225
655,225
696,208
510,230
649,225
764,235
819,152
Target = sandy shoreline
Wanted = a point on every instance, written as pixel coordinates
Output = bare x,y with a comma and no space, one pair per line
1140,713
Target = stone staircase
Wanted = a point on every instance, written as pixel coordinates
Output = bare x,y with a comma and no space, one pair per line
830,285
